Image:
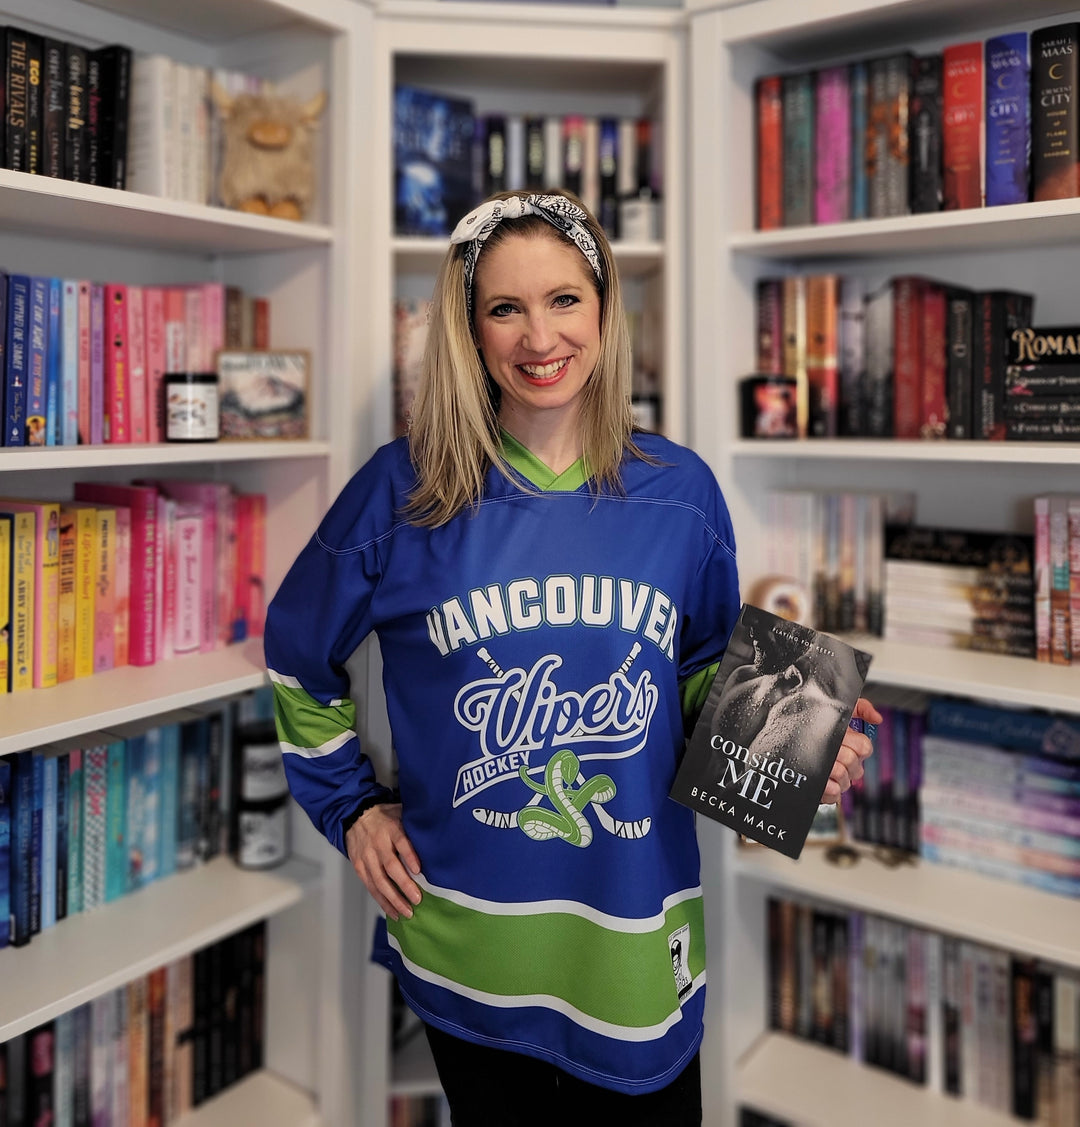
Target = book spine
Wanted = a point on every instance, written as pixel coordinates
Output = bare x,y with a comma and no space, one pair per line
609,167
97,364
852,348
998,314
53,101
959,377
69,355
65,614
962,134
75,832
116,813
925,134
822,363
17,359
117,359
34,108
63,802
170,796
75,158
5,852
1060,624
794,345
22,812
105,591
95,825
96,141
797,158
1055,125
155,363
38,342
37,767
122,619
908,355
934,415
46,589
832,145
770,326
54,356
17,97
1008,119
86,558
1074,573
859,83
887,154
879,362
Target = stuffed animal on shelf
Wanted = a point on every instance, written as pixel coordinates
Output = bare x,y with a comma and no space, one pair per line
267,165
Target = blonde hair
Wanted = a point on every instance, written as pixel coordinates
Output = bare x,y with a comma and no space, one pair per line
454,435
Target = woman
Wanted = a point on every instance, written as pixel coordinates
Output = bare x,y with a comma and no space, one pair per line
551,591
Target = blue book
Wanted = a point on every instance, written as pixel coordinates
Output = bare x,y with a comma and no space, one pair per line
149,839
135,752
48,841
75,832
3,338
22,813
1036,733
36,388
38,768
16,359
54,355
116,859
170,796
192,744
1008,119
69,380
5,852
63,803
860,103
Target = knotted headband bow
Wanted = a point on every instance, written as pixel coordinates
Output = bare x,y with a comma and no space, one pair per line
560,212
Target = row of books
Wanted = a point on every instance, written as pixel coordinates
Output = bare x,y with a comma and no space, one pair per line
965,1019
85,362
65,109
448,157
914,358
127,575
88,821
1057,578
148,1052
977,123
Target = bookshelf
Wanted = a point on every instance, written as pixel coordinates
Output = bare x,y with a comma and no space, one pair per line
313,274
971,485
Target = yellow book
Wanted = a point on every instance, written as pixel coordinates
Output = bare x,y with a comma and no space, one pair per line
6,532
24,535
87,538
46,584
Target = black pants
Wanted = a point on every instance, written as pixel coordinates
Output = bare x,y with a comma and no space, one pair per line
494,1088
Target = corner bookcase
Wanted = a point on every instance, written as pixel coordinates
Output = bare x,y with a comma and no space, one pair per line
311,273
968,485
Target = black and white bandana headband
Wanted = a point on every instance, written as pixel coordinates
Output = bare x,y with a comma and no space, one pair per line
560,212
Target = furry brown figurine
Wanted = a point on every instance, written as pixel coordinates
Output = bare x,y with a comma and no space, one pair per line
267,165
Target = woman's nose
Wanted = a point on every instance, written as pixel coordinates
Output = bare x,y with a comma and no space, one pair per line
540,334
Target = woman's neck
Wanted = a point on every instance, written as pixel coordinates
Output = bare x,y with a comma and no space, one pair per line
555,442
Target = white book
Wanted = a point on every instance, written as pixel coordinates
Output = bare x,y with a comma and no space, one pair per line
553,152
590,166
515,152
152,165
64,1070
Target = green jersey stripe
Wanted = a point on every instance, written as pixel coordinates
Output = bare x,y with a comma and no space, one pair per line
308,726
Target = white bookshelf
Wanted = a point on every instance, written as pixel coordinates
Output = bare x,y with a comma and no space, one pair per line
967,485
314,273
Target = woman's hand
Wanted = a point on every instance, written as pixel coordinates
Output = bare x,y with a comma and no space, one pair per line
384,859
856,747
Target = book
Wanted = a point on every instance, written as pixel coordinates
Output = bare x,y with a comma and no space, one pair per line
959,361
1055,126
832,145
54,355
46,587
117,380
744,765
998,315
925,134
822,363
75,159
1008,119
7,532
37,348
859,84
17,51
797,153
53,103
887,144
5,851
17,359
934,415
962,129
69,363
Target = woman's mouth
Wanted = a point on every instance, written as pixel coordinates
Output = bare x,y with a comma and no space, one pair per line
544,373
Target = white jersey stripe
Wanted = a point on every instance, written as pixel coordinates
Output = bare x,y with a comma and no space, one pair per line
340,740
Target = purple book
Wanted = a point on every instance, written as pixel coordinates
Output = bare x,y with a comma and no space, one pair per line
1008,119
832,146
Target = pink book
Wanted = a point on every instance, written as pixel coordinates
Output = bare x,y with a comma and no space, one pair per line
193,328
188,551
251,565
83,361
1042,578
142,500
176,356
226,563
105,590
122,602
1074,574
163,614
154,299
832,153
213,323
117,386
97,364
136,325
46,585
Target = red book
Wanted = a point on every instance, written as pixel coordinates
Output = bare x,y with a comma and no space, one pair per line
154,301
907,355
136,364
935,412
249,601
176,357
117,390
962,125
142,500
261,319
83,338
770,327
770,148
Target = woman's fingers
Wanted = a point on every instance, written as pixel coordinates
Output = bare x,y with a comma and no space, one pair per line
384,859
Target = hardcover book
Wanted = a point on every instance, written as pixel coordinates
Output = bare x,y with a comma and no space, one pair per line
924,129
962,137
1008,119
774,719
797,152
1055,127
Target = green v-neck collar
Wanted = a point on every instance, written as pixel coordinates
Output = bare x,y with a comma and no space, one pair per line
536,473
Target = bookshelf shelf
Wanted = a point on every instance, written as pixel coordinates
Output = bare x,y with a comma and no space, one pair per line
40,205
901,450
261,1098
1023,225
159,454
94,952
413,1072
958,901
821,1087
415,254
39,716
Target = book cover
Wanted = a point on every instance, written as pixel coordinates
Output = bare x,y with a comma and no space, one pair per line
797,154
1008,119
16,359
75,160
925,134
53,102
16,97
832,145
1055,126
963,119
773,722
432,145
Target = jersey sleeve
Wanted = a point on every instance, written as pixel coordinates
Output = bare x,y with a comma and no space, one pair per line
318,617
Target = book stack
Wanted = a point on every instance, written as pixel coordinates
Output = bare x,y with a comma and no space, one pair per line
978,123
1042,384
960,589
104,815
913,358
148,1051
1001,794
960,1017
84,362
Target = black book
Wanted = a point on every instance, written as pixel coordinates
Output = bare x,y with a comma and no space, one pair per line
1055,126
53,103
108,83
609,172
494,154
924,133
33,105
76,166
761,752
959,361
1025,1034
535,151
998,314
17,52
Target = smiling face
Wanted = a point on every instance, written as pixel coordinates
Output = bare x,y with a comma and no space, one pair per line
537,316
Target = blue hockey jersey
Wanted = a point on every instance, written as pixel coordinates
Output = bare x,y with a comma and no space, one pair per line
533,650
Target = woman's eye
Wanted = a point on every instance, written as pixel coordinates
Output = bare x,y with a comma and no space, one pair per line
564,300
502,310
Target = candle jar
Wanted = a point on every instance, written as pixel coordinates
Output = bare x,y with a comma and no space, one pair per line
191,407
